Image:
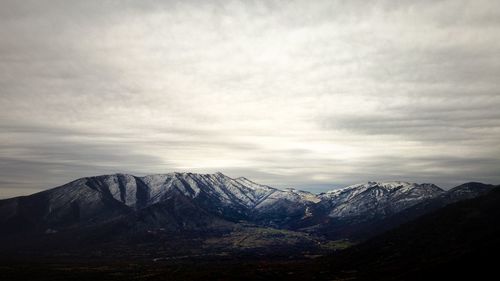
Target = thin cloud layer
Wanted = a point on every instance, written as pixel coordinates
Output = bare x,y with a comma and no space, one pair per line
289,93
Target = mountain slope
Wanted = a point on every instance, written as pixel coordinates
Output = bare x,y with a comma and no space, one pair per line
377,198
347,212
459,240
88,200
459,193
121,205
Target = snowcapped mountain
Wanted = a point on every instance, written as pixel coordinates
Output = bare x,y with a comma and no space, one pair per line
140,192
462,192
239,193
173,196
194,202
376,198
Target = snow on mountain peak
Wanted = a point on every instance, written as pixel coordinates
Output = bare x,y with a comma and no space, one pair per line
377,198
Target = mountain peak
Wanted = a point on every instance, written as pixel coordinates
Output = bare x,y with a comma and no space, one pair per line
388,185
378,198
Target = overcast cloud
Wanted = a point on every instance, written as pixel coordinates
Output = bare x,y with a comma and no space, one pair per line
310,94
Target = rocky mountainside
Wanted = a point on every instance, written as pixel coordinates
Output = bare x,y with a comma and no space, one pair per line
121,205
456,242
94,199
178,200
351,211
374,199
462,192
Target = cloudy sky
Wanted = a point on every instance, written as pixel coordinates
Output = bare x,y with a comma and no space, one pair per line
310,94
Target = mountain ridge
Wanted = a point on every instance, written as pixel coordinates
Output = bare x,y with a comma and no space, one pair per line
124,207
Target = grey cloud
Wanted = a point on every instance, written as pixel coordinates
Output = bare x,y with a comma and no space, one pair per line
39,164
310,94
430,120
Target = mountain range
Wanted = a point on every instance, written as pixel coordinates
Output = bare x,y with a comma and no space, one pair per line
121,209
